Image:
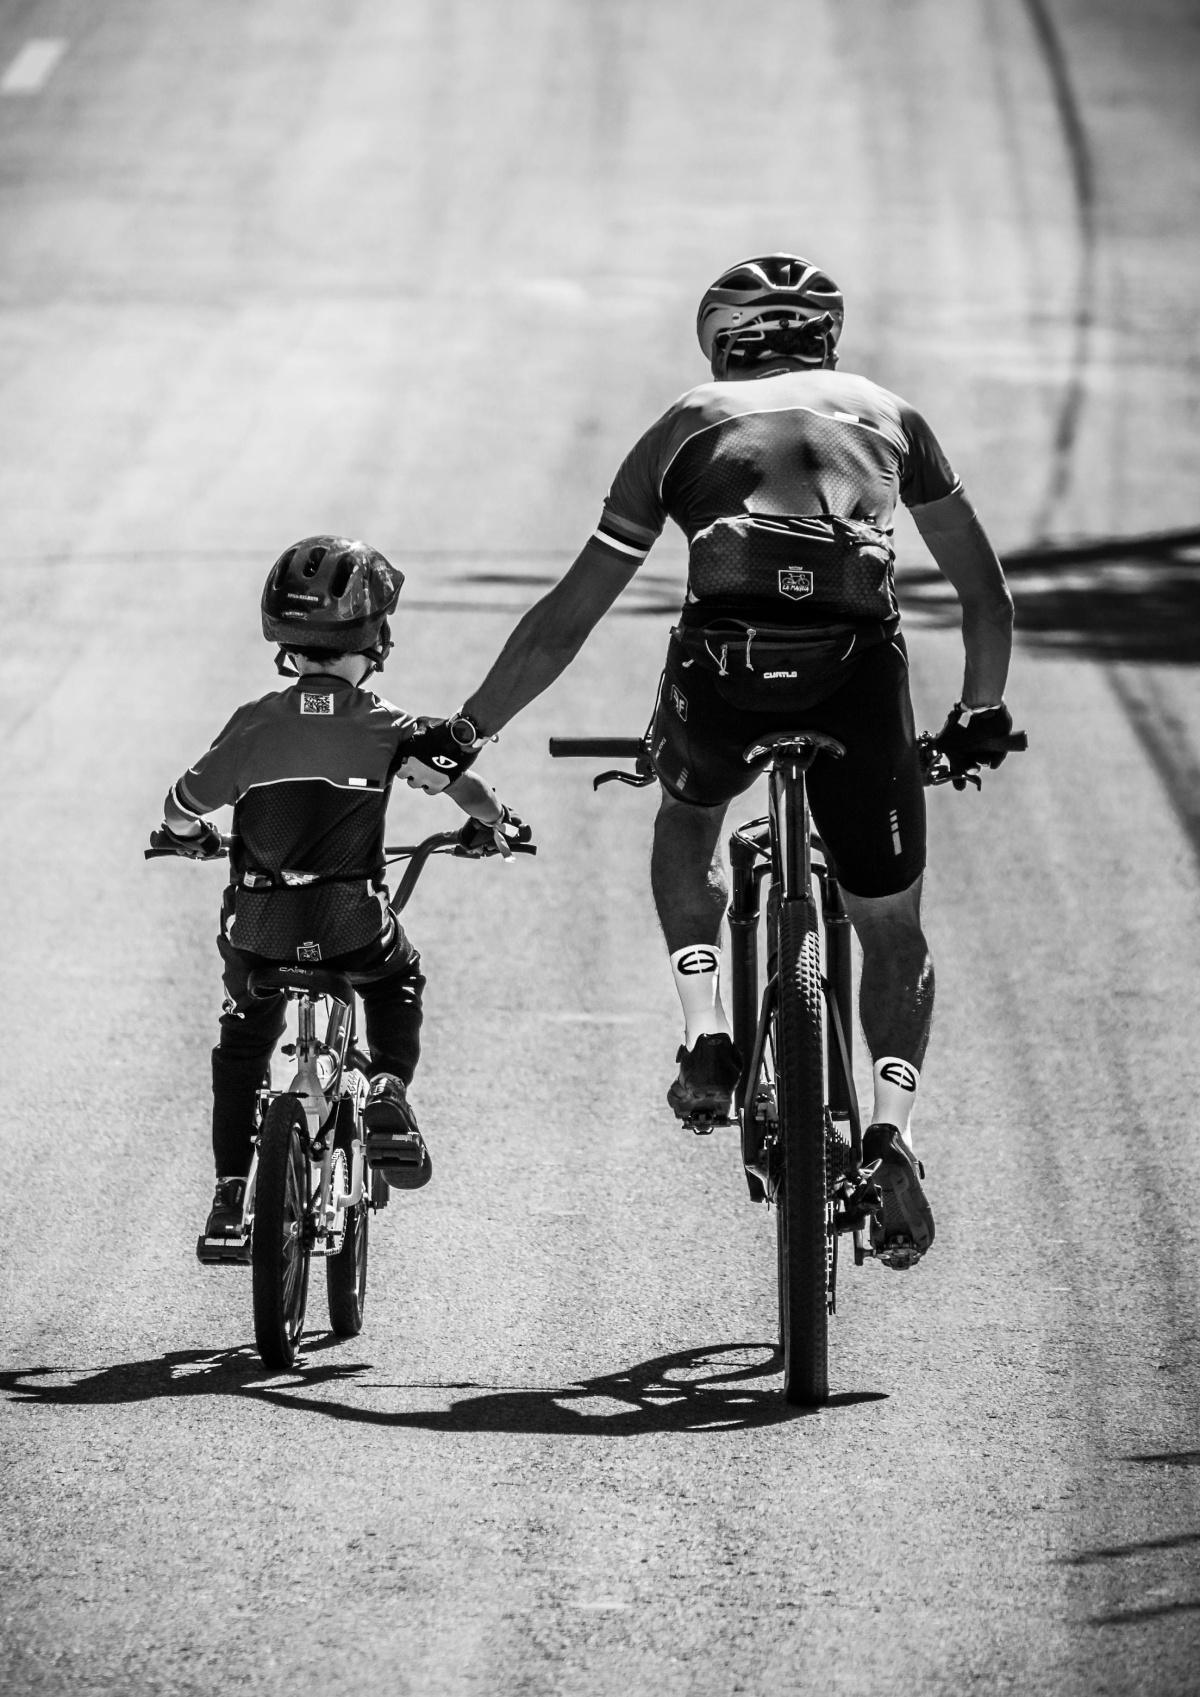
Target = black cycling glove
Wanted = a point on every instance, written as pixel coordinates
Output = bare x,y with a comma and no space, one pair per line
975,736
439,751
501,836
205,846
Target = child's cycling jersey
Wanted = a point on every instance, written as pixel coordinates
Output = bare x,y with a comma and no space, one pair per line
308,771
786,488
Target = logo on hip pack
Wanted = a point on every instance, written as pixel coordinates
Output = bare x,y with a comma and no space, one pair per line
795,584
679,702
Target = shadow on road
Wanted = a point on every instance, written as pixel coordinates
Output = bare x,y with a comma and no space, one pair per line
1119,598
716,1387
1110,598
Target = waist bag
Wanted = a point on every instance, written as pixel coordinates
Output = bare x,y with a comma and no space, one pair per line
776,668
825,569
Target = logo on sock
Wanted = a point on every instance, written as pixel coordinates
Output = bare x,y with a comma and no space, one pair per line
899,1073
696,960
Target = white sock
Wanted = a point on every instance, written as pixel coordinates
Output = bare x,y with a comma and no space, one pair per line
697,974
896,1084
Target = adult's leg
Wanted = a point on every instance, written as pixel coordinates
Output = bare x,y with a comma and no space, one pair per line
897,986
687,872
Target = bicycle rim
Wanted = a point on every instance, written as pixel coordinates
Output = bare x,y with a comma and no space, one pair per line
805,1267
281,1249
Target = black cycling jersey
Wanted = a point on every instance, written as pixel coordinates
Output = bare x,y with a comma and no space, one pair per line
308,771
785,487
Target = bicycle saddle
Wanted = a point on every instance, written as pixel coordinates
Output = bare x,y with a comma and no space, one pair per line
314,980
815,742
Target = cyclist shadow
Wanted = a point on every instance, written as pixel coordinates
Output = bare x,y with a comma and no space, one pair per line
711,1388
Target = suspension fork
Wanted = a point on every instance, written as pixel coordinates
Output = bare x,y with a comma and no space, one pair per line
748,867
843,1102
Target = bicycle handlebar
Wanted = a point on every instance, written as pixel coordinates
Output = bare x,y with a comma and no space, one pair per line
936,768
417,854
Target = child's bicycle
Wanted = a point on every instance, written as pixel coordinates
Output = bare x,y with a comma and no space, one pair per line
310,1190
796,1105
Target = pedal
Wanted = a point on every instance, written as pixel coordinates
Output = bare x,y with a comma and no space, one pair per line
703,1124
224,1251
401,1157
899,1253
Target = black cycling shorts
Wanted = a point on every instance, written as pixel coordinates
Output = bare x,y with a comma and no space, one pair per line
869,806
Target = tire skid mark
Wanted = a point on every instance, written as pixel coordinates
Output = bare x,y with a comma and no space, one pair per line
1083,316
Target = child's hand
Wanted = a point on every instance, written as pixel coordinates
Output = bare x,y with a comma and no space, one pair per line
500,837
204,844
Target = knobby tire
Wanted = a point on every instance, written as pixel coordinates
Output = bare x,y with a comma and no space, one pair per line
282,1249
801,1215
346,1272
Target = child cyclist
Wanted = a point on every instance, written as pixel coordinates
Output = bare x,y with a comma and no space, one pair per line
308,771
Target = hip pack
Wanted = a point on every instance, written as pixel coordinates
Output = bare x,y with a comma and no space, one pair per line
776,668
825,569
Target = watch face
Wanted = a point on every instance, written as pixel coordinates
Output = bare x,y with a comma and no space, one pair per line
463,731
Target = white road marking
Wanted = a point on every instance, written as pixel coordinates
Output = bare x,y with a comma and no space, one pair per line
32,66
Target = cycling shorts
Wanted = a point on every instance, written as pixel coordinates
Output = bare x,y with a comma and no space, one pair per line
868,807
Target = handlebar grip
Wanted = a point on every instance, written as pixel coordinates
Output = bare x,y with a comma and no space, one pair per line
603,748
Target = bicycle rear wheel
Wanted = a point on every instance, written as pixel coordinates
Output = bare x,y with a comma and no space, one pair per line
346,1272
804,1243
282,1248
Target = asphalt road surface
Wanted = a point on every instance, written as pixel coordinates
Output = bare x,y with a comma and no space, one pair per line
422,272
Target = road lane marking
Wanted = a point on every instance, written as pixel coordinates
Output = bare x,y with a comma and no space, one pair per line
32,66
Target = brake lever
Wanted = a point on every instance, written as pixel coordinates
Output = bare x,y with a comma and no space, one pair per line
639,780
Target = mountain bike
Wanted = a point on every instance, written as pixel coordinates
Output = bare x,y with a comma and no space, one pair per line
795,1103
310,1192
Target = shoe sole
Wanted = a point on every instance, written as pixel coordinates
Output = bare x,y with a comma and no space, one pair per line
906,1228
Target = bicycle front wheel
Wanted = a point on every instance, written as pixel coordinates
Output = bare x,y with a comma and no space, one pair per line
346,1272
282,1247
805,1261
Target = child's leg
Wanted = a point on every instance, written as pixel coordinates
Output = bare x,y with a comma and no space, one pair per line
250,1028
392,1005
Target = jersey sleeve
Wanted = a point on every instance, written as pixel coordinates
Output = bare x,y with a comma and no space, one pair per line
633,515
926,474
213,780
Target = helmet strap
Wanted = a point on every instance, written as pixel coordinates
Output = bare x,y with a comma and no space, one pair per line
285,665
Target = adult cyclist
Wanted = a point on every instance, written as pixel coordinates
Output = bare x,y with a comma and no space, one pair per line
784,474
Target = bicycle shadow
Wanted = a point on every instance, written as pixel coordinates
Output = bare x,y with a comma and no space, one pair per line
710,1388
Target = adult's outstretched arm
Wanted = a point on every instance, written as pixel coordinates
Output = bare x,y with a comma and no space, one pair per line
963,554
549,636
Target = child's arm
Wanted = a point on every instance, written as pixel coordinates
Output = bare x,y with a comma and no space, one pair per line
476,798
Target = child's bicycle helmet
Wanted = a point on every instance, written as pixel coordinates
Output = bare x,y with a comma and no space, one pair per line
334,593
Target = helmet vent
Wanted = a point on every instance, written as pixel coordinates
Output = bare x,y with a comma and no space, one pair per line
313,564
343,571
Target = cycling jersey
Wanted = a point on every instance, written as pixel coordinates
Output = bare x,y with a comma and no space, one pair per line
308,771
785,487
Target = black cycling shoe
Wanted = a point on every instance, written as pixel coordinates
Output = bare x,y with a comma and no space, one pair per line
225,1217
395,1147
708,1075
902,1230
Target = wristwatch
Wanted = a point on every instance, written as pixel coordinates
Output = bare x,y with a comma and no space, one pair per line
465,731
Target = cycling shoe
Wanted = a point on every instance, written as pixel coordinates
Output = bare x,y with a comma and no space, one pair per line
903,1229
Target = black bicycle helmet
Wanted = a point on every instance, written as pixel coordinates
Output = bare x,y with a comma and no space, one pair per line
775,306
330,592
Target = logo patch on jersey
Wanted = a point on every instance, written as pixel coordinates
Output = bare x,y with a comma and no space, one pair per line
795,584
316,701
679,702
308,951
780,674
